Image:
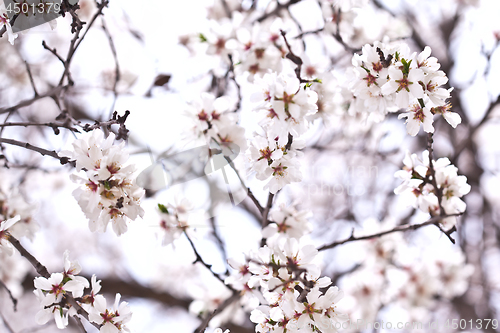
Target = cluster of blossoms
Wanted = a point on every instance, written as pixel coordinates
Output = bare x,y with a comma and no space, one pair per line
17,217
261,48
14,204
109,192
217,126
257,47
286,222
390,78
270,159
215,123
53,293
290,284
281,275
286,107
413,282
285,280
174,220
428,192
285,104
18,220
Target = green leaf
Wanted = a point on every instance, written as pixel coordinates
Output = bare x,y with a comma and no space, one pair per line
163,209
406,66
106,184
202,37
366,69
66,279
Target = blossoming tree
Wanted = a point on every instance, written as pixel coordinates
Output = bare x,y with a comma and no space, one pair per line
304,166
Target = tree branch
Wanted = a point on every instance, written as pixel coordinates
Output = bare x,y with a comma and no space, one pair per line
432,221
42,271
221,308
42,151
51,93
208,266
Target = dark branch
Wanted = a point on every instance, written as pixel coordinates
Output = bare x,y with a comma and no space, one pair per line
42,151
208,266
432,221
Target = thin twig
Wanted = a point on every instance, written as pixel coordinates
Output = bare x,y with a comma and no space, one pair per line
208,266
115,120
221,308
302,34
439,191
42,151
276,10
77,40
226,8
220,242
233,77
14,300
79,323
265,214
51,93
28,69
54,52
52,125
337,35
294,58
6,324
249,192
40,269
255,201
117,65
432,221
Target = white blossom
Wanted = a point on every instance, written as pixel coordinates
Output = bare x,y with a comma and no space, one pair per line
109,194
418,186
5,22
112,320
416,116
287,222
5,245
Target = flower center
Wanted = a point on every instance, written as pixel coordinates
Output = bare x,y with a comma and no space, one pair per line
259,53
404,84
57,289
254,68
377,67
265,153
203,116
370,79
279,171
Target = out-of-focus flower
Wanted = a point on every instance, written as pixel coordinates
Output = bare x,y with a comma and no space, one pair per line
5,245
5,22
418,186
287,223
